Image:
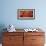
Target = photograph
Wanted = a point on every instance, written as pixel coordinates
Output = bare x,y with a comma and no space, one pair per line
26,14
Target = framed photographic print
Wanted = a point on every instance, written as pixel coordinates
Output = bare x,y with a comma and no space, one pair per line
27,14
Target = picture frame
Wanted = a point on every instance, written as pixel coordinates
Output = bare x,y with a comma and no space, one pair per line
26,14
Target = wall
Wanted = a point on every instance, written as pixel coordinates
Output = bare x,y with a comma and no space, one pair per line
9,13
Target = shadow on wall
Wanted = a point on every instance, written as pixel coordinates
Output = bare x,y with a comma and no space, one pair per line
2,26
